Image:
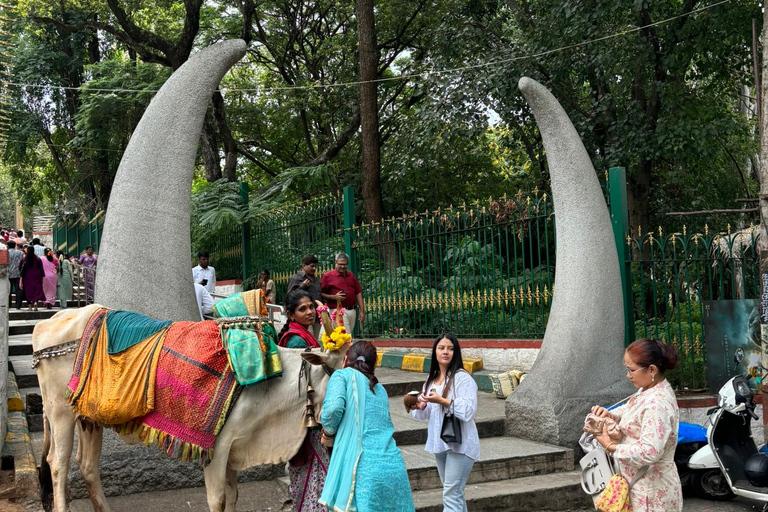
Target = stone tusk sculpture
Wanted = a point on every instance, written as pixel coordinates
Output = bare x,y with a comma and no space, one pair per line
580,363
144,258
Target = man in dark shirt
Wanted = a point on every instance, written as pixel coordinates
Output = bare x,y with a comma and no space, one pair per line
306,280
342,285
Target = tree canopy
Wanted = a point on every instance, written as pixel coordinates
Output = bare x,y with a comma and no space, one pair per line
661,88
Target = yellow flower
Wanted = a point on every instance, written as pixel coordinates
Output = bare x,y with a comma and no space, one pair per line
337,339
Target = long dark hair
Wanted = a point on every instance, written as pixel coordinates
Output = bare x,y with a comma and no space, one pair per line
292,301
456,364
366,364
30,260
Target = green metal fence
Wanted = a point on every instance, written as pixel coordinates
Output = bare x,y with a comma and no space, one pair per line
280,238
226,254
73,234
673,274
481,270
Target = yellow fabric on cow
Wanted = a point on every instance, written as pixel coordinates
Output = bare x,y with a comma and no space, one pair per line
117,387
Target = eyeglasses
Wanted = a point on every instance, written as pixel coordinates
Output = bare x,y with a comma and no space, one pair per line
632,372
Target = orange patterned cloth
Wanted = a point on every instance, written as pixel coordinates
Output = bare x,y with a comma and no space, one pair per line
113,388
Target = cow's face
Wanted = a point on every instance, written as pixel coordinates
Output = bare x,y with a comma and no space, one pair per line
332,360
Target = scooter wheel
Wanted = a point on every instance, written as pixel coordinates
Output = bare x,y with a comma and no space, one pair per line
711,484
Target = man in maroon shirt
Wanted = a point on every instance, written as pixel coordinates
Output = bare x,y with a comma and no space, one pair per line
342,285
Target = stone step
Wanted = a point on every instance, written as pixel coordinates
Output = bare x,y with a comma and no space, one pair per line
26,376
558,489
20,345
501,458
25,314
539,493
410,431
25,326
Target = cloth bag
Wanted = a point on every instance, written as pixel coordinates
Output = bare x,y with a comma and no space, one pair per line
615,497
593,424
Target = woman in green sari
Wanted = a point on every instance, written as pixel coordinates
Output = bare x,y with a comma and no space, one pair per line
367,472
64,284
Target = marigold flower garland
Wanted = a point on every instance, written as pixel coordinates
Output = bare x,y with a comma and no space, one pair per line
337,338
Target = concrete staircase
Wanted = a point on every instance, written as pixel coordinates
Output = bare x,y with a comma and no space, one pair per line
512,474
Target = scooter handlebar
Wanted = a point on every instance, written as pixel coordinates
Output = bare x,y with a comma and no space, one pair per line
752,413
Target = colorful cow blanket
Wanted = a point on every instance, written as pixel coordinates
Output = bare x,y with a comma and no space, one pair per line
113,388
171,384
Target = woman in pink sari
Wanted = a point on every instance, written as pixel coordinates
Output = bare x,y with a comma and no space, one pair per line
51,278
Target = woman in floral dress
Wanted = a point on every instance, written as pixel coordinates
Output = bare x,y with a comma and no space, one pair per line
648,422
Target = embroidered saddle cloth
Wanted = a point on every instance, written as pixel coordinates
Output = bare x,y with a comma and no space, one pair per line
171,384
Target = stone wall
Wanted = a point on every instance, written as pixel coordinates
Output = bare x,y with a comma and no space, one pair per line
4,307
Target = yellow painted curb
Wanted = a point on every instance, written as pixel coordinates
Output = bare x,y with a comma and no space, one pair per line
413,362
472,365
14,397
379,354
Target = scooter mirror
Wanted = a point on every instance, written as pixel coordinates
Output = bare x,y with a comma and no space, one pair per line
738,356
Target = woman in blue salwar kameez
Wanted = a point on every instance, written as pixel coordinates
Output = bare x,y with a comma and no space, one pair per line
367,472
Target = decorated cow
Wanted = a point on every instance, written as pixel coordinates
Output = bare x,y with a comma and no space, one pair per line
174,386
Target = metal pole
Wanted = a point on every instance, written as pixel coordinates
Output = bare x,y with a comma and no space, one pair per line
245,233
617,182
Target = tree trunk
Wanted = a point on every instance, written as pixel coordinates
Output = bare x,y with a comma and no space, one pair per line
230,146
763,240
210,150
369,112
638,193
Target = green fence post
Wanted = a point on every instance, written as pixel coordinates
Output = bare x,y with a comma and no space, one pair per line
245,235
617,182
349,221
349,240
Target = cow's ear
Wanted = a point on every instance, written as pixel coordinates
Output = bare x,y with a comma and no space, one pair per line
316,358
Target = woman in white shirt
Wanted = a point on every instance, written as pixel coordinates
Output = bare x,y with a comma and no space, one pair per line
454,460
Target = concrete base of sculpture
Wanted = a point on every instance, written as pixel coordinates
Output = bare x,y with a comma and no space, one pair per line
580,363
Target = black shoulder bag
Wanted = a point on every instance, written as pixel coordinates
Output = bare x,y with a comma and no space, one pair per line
451,430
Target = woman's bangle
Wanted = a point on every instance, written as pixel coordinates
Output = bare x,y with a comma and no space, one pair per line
608,448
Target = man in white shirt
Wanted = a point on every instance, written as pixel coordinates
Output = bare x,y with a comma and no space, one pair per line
39,248
204,274
204,301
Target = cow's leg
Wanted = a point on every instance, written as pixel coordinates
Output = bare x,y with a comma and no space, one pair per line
88,454
62,432
231,490
215,475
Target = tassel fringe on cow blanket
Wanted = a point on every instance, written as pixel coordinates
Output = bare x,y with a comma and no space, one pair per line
169,384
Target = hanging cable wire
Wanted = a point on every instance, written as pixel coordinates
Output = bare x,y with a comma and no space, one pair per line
398,77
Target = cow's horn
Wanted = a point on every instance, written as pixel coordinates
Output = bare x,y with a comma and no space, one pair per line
144,257
580,361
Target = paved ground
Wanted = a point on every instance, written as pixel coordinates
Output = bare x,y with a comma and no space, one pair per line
268,496
264,496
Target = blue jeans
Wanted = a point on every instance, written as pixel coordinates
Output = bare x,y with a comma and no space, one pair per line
453,469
